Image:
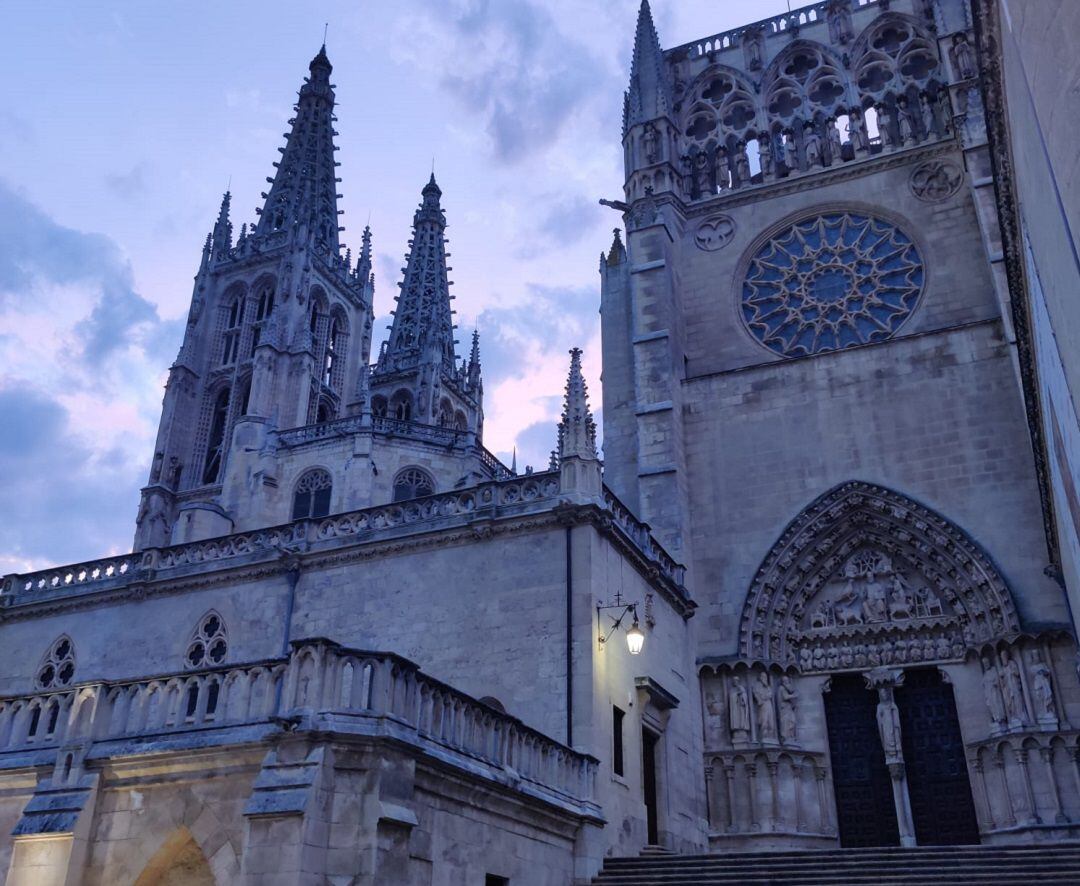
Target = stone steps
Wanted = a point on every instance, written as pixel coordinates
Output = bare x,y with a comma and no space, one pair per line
939,866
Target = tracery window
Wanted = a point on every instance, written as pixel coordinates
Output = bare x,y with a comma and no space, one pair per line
216,443
264,307
401,406
231,347
58,667
311,497
334,361
412,483
209,644
829,282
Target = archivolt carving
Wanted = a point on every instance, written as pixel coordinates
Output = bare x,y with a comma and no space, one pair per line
867,577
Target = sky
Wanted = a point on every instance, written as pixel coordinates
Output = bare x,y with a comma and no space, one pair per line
125,122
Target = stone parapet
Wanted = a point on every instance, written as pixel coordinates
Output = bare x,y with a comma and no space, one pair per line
320,687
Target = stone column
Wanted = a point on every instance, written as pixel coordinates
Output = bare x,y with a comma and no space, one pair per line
729,774
885,680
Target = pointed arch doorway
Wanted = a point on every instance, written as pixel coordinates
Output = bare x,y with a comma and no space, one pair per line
869,594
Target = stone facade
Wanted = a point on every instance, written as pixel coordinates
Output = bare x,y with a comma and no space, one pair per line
350,646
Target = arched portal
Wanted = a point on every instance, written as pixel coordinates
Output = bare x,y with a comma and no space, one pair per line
856,622
867,577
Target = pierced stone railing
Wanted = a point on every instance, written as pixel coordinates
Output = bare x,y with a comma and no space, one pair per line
639,533
306,434
108,569
320,686
784,23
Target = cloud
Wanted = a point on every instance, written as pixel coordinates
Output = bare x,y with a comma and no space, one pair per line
509,63
72,460
72,501
128,185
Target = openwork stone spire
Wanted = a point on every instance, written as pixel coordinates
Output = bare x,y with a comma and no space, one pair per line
577,430
221,239
648,96
423,328
303,193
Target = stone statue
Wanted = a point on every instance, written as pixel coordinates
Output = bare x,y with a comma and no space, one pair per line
1042,689
738,710
1013,691
884,123
926,107
875,606
995,702
701,175
723,170
848,606
713,705
155,469
753,49
787,702
901,604
856,127
791,152
840,22
944,104
176,468
819,658
652,144
812,146
765,155
822,617
806,658
963,56
763,705
888,722
832,137
907,123
688,175
741,172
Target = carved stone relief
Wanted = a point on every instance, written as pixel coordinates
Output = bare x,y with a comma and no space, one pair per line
936,180
865,577
715,233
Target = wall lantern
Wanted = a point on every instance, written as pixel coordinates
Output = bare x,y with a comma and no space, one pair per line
635,637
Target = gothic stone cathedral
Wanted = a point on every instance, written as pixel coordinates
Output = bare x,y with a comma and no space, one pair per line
351,646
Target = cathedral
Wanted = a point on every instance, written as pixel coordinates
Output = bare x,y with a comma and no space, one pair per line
813,597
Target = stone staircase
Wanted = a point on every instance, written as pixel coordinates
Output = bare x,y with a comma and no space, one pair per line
1057,863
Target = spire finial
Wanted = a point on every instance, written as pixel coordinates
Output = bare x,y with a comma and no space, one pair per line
648,96
577,430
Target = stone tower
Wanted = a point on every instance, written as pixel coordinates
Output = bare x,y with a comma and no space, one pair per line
811,396
276,357
417,376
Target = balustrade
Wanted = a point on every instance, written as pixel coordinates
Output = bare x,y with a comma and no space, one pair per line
321,683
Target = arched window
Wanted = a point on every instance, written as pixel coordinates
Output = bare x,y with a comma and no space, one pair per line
216,442
57,668
334,361
378,407
312,495
412,483
324,412
209,643
264,307
401,406
446,413
231,349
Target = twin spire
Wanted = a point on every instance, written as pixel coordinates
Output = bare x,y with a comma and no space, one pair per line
648,96
303,192
423,327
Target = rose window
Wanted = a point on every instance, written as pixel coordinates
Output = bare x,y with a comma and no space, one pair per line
831,282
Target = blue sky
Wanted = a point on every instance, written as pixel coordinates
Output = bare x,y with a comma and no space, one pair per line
125,121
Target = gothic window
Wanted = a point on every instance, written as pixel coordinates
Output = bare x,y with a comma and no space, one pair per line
829,282
378,407
412,483
893,59
231,348
334,363
446,413
209,643
264,307
312,495
401,406
460,422
215,445
58,667
325,411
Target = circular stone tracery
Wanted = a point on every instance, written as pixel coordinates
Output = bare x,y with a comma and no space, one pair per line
830,282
